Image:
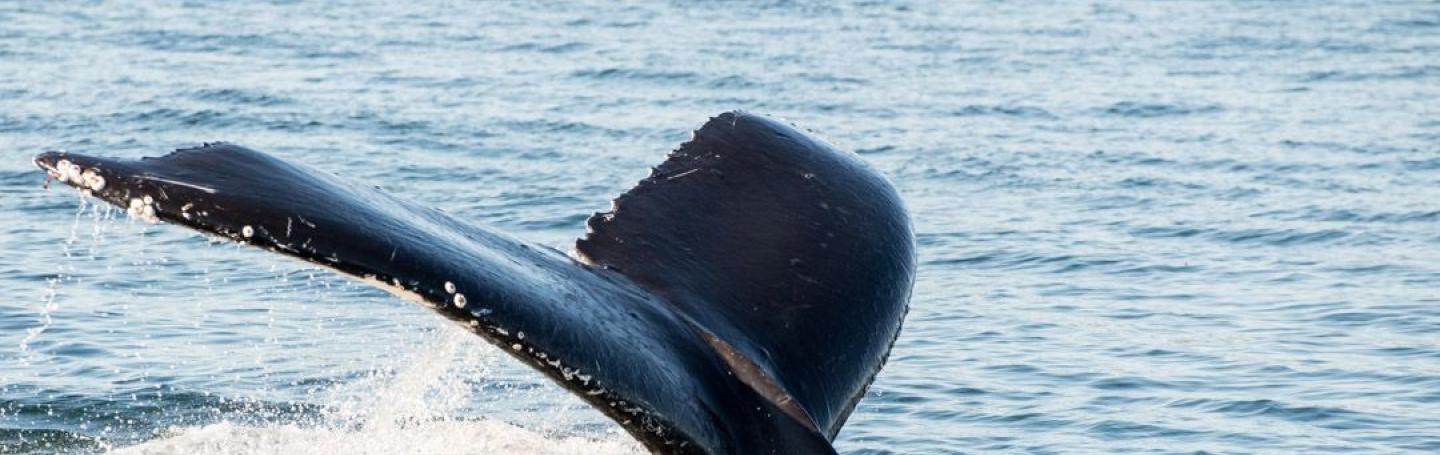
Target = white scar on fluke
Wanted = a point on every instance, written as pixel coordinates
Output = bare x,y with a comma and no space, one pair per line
177,182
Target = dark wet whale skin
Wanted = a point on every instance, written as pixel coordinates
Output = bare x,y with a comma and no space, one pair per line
738,300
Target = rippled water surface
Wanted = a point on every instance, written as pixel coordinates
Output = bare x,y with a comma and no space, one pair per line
1179,227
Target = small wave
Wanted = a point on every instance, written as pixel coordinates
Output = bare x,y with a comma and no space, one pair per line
546,48
635,75
1134,383
235,43
1159,183
1408,351
171,40
237,96
1272,237
223,117
1325,416
1423,165
1062,263
450,437
1130,157
975,110
185,117
1314,183
1273,166
979,171
1116,429
1243,44
32,123
1410,25
1399,73
1018,260
1279,237
1332,146
544,125
875,150
1356,317
1135,109
831,79
1352,215
732,82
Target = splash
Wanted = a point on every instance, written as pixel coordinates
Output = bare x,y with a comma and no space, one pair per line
407,409
48,304
451,437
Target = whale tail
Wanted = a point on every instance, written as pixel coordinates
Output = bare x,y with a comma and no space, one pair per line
739,300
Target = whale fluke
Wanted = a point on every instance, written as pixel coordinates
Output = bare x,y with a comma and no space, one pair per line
738,301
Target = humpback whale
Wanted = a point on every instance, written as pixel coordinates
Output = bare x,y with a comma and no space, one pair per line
739,300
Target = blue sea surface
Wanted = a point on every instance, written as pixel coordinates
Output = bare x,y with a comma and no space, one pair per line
1142,227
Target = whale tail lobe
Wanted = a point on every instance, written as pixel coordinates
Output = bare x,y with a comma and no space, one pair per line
794,254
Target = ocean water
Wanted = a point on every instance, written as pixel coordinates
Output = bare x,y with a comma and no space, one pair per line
1143,227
